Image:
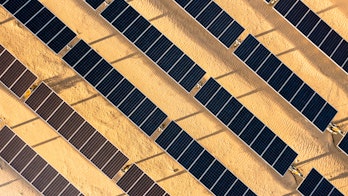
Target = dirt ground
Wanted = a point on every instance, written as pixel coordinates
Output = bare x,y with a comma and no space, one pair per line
314,148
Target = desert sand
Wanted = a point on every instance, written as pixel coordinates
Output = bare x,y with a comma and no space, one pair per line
314,149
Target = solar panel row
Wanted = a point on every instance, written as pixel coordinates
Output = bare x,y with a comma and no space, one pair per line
153,44
135,182
246,126
41,22
316,184
200,163
114,87
343,145
13,74
32,167
316,30
214,19
285,82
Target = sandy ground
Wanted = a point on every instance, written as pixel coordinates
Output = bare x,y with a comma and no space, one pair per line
314,149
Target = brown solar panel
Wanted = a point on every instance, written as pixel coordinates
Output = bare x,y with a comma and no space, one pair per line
57,186
12,149
115,164
59,117
93,145
155,190
35,166
71,125
1,48
12,74
129,178
6,60
82,135
23,84
49,106
5,134
44,178
104,154
70,191
141,186
38,96
23,158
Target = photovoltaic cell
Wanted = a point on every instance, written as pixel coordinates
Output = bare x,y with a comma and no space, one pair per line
95,3
343,145
23,83
12,74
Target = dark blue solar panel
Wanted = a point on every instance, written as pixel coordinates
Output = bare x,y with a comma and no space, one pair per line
179,145
182,2
137,28
250,193
114,9
274,150
336,192
287,158
156,51
231,34
257,58
331,42
283,6
39,20
325,117
28,11
345,67
220,24
109,82
324,188
192,78
341,54
169,59
211,176
59,42
201,165
87,63
224,183
142,112
13,6
268,68
95,3
196,7
76,53
191,153
208,15
153,122
147,39
279,78
120,92
238,189
168,135
314,106
132,101
229,111
247,46
240,121
251,131
262,140
98,72
302,97
319,33
291,87
344,144
181,68
308,23
219,100
207,91
47,33
125,19
297,12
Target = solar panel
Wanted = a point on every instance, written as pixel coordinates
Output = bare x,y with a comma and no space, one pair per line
316,184
38,19
153,44
343,145
14,75
31,166
316,30
285,82
246,126
214,19
199,162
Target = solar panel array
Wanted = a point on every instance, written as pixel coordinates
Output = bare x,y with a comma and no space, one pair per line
285,82
154,44
246,126
13,74
214,19
32,167
200,163
343,145
316,30
316,184
43,23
